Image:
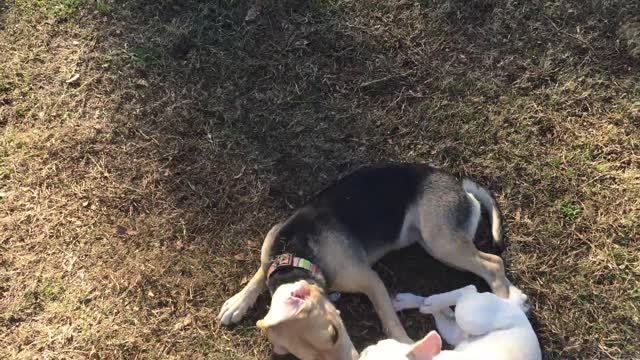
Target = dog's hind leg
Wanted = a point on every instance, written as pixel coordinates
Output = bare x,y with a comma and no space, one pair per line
482,313
493,265
405,301
462,254
448,327
437,302
438,305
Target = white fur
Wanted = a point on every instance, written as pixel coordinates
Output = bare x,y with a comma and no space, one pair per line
474,218
486,199
483,326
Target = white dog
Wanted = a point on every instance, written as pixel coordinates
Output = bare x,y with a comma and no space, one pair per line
483,326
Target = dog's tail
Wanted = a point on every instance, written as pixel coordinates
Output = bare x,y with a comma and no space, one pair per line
489,203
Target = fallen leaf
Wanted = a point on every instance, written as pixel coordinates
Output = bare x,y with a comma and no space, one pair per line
89,298
74,78
244,280
301,43
518,214
121,230
184,322
241,257
253,243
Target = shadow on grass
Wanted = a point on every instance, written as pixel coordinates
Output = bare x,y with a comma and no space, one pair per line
268,113
248,120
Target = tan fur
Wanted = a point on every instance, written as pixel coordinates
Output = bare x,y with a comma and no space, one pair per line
237,306
351,273
366,281
456,249
310,335
482,195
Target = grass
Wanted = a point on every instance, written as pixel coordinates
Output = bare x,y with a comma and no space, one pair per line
67,9
103,7
134,197
570,210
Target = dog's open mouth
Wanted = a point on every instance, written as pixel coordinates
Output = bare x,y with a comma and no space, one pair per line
300,294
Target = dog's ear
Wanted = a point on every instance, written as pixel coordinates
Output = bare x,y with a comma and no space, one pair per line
427,348
279,312
276,315
287,303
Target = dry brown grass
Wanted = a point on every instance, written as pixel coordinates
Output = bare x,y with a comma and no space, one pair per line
134,196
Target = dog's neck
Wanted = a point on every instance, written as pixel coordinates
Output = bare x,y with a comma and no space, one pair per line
290,275
288,268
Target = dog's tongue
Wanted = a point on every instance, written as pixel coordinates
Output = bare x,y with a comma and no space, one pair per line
286,303
301,291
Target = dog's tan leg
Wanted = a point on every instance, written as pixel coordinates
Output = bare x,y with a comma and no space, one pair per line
376,291
495,265
234,309
464,255
368,282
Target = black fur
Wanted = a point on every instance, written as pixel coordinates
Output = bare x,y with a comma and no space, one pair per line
369,205
289,275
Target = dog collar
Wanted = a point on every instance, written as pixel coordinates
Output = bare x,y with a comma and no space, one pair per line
288,260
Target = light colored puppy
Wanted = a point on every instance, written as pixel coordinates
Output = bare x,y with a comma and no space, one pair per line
304,322
483,326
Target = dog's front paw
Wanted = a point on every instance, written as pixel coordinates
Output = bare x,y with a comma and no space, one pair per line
234,309
405,301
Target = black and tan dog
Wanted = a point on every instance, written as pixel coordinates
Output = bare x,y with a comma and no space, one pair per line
330,244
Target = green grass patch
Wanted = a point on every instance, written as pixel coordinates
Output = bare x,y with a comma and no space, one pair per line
570,210
4,84
103,7
144,55
51,291
67,9
60,10
601,168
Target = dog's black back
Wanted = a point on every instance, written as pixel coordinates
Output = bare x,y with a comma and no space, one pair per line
370,204
360,205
